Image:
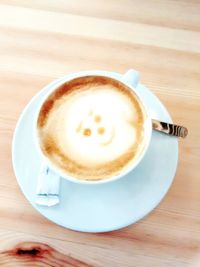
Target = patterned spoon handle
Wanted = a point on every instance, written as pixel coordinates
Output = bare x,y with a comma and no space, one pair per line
170,129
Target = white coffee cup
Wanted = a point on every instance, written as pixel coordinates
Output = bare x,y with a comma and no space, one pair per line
130,79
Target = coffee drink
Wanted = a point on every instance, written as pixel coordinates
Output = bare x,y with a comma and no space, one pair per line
92,128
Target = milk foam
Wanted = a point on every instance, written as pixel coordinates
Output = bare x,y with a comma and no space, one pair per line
93,127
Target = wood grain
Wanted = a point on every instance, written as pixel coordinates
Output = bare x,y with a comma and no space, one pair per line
37,254
43,40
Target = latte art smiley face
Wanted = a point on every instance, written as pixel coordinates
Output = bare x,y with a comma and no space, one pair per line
97,129
92,128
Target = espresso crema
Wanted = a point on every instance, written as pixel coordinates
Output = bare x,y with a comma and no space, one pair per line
92,127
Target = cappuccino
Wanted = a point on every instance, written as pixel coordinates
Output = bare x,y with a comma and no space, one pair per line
92,128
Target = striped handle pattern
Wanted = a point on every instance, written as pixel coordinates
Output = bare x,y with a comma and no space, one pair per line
170,129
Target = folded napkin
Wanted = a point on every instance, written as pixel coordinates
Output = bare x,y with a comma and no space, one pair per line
48,184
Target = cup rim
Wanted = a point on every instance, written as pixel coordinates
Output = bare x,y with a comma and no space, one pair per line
53,86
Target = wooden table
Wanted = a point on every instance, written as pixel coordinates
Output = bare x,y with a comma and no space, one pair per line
43,40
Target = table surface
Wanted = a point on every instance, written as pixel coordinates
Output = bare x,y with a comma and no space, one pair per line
43,40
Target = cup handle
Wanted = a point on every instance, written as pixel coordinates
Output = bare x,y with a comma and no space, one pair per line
132,77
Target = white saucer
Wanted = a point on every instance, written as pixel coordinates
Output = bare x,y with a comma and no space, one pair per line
104,207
